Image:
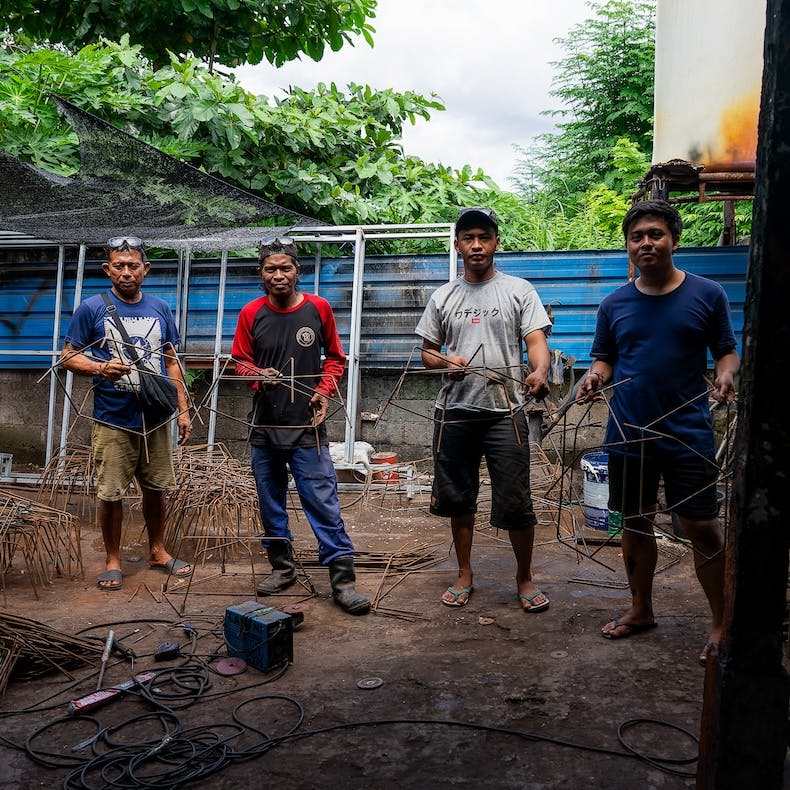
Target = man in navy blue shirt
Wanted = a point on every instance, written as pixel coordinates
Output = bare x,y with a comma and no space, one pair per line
651,341
125,446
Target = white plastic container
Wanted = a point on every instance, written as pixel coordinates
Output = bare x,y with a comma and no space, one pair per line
595,468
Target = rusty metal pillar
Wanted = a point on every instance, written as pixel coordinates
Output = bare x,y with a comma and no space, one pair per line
743,737
729,233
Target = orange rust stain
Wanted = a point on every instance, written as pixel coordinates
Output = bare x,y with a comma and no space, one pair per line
736,145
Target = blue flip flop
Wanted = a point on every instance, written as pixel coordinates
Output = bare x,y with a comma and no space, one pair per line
115,579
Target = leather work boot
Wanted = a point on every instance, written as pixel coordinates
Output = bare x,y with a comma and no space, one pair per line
342,578
283,574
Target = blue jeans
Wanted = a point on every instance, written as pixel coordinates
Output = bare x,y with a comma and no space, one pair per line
316,485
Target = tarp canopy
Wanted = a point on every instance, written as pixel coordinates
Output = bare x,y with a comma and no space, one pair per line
126,186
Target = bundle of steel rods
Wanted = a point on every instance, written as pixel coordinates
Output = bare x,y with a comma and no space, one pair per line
47,539
68,474
215,501
30,649
402,561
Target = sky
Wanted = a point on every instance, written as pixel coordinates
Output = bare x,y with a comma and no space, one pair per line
490,64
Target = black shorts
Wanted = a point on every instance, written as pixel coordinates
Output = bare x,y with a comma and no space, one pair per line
689,485
459,444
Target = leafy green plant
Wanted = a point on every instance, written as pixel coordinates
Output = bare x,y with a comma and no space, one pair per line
330,153
229,32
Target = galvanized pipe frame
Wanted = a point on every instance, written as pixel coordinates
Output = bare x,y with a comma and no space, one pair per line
358,235
66,414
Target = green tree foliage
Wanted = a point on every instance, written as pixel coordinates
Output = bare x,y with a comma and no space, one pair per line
328,153
230,32
578,180
605,84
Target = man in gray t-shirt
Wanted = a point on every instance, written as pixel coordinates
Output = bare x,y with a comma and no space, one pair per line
481,320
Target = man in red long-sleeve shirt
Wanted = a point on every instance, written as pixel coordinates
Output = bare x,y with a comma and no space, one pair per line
279,342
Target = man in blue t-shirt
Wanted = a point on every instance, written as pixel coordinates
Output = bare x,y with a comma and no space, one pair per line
125,445
651,342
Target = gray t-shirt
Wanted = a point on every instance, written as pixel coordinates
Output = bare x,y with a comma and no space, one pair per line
486,323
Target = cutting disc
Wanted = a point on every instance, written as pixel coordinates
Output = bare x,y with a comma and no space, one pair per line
231,666
370,683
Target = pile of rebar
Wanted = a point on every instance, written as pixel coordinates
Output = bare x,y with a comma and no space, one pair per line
30,649
47,539
401,561
215,502
68,474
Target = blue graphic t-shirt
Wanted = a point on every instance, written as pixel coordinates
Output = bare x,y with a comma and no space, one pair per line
151,328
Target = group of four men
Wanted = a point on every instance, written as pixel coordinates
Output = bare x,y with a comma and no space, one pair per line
650,351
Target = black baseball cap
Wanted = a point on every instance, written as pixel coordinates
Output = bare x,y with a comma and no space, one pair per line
476,217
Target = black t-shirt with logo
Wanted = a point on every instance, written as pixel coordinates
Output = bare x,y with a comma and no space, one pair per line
291,341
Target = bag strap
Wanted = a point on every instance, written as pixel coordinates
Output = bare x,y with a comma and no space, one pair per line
116,319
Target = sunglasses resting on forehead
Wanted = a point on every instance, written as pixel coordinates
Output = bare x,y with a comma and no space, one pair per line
277,241
125,242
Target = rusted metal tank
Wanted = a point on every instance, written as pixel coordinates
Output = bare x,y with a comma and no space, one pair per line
709,62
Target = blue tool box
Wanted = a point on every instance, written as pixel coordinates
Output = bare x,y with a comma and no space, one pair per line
259,634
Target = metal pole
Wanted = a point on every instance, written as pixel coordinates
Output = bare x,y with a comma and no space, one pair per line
352,389
69,386
223,278
185,274
453,273
55,354
317,269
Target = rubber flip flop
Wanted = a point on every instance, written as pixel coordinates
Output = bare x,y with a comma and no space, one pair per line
534,608
173,566
457,594
115,579
633,628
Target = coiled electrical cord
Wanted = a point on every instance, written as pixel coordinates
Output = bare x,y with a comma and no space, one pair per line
175,756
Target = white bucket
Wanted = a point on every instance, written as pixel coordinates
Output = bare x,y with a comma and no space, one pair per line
595,467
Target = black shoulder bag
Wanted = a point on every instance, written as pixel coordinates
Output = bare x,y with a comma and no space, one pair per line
158,394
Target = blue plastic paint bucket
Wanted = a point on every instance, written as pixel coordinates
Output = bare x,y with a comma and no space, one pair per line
595,468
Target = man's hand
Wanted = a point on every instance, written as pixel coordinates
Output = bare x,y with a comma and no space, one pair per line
724,388
456,367
536,385
589,388
113,369
273,378
319,405
184,427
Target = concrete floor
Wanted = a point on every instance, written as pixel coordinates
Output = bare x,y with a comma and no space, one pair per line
479,696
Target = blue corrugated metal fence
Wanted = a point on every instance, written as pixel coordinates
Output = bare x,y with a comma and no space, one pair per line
396,288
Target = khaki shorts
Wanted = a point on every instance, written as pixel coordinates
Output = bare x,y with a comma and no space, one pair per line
120,456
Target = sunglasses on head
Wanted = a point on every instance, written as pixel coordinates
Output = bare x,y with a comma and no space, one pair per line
278,241
125,242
